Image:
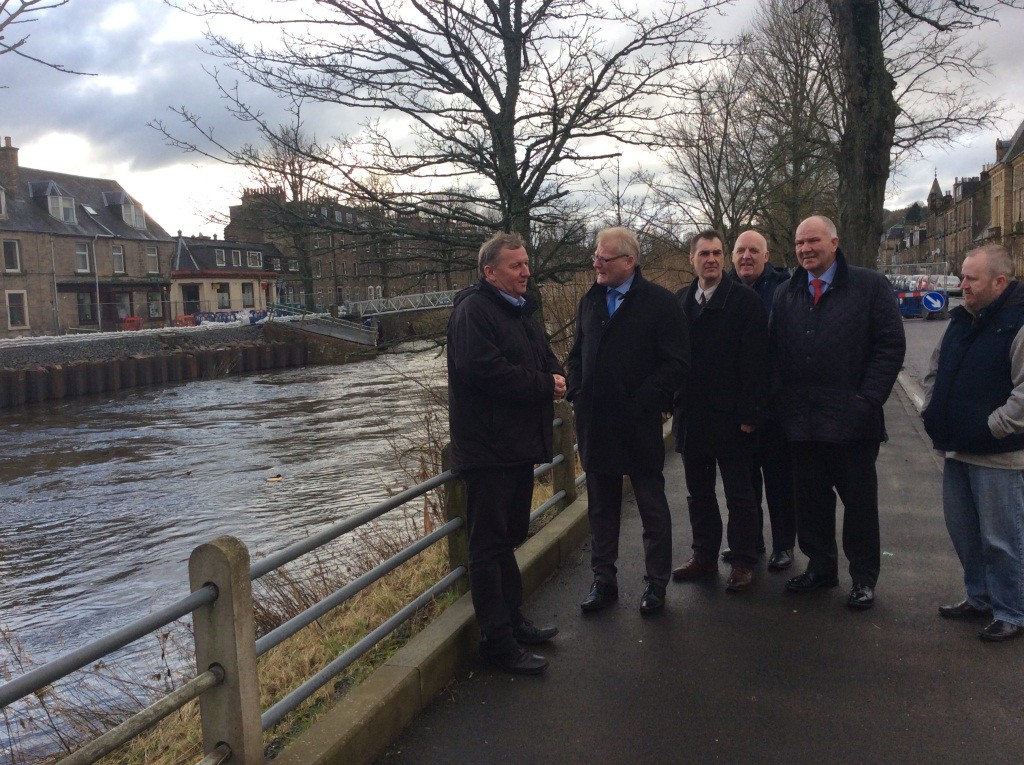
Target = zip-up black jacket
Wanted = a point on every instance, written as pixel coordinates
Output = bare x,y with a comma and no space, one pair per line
500,385
974,377
767,284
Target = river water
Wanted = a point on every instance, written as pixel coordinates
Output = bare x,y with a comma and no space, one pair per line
103,499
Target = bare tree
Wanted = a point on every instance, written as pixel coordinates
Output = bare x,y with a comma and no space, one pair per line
13,39
872,110
510,105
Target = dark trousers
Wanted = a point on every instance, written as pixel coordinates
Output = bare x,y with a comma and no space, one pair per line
733,455
773,462
820,471
498,519
604,500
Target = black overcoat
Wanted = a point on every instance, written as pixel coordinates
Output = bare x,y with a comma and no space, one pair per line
727,383
500,384
834,364
623,372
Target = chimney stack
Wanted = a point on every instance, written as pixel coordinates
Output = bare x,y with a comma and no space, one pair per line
9,168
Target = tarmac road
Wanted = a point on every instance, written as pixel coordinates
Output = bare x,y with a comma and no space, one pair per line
758,677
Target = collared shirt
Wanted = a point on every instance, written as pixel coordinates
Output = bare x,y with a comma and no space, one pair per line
826,277
706,294
623,288
516,301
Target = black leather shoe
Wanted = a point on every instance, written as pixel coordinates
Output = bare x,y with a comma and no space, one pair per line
516,661
810,581
861,597
602,595
1000,630
527,633
653,598
780,560
964,610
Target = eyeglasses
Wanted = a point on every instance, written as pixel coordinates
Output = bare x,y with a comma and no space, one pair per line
604,261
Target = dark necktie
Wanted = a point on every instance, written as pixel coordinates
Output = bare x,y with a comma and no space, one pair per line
703,300
818,285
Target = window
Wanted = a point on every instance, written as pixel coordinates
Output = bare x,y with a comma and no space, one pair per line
156,305
82,265
344,269
277,264
333,269
369,293
133,215
152,259
86,307
221,256
12,256
236,257
254,259
293,265
17,310
123,304
316,269
223,295
117,252
320,299
62,208
3,203
248,295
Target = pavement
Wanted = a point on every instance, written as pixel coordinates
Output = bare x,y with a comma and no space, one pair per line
762,676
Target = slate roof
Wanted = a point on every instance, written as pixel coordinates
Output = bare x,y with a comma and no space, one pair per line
198,254
27,207
1015,146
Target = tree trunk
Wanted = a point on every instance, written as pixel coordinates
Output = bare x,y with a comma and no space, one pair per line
869,124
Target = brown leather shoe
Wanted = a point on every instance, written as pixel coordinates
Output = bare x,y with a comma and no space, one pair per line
695,568
740,579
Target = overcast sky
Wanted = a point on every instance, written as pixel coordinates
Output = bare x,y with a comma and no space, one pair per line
147,58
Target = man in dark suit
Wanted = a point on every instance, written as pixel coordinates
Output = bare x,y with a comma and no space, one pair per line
502,380
628,358
719,410
751,266
837,345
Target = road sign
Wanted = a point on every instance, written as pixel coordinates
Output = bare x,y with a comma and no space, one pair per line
933,301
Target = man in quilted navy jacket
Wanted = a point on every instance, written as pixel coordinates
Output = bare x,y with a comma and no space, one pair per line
836,346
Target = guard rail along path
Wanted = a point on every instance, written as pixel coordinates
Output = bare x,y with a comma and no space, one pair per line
221,605
400,303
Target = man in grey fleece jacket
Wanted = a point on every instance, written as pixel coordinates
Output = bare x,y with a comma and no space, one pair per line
974,412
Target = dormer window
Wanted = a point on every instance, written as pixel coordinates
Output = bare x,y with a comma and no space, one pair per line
62,208
133,215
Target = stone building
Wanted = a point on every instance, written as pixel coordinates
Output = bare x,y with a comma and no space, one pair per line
222,278
79,254
1007,212
340,254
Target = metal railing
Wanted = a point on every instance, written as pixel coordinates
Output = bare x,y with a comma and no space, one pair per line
226,647
324,324
401,303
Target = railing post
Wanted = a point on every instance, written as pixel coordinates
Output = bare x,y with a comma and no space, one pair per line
563,475
226,636
455,506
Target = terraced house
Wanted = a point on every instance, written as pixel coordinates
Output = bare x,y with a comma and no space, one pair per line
79,254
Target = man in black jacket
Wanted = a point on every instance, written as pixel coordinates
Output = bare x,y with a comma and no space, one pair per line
628,358
502,380
837,346
975,414
751,267
718,411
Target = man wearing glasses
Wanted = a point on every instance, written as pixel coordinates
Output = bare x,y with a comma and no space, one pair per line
629,356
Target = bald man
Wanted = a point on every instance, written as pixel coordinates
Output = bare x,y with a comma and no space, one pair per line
772,470
837,344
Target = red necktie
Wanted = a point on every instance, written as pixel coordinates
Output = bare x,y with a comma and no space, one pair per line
818,286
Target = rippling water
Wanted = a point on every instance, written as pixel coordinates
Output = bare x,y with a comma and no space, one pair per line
103,499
